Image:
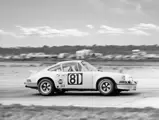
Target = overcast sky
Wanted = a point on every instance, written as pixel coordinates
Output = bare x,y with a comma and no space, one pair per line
78,22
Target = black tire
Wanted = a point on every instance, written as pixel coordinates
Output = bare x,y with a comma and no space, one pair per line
106,87
60,92
46,87
117,92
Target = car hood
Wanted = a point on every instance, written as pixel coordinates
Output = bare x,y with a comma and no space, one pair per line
110,73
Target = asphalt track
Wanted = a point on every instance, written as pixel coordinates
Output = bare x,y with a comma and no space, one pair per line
145,97
12,91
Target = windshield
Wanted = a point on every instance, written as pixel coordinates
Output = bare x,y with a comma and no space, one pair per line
88,66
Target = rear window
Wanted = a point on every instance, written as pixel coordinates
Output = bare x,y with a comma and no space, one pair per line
55,68
70,67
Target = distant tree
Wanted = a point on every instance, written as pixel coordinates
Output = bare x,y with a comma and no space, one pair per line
106,49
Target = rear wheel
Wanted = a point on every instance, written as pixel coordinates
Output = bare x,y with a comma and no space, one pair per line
46,87
106,87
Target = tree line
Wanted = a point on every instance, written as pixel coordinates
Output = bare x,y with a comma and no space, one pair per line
107,49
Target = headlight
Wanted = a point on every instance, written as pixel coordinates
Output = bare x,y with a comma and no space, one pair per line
130,78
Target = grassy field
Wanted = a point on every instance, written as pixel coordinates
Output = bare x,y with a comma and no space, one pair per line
18,112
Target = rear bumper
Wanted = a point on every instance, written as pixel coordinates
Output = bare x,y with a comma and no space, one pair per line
31,85
127,87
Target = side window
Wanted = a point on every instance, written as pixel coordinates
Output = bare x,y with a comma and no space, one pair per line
80,67
70,67
85,66
66,68
55,68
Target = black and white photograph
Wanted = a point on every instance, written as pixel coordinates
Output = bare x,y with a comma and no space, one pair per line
79,60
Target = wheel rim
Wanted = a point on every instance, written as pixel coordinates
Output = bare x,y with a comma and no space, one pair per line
45,87
106,87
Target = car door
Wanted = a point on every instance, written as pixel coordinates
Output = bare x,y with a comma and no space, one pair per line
74,78
87,80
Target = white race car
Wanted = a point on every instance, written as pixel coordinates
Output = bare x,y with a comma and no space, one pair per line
78,75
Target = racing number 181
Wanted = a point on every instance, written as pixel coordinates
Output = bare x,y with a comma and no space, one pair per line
75,79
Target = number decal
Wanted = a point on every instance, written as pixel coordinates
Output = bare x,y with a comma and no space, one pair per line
75,79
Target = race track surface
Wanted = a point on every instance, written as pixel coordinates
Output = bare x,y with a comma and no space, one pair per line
12,90
140,98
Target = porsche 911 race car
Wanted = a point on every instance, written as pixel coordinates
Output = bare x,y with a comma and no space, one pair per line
78,75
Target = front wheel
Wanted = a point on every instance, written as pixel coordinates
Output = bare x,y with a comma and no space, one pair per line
106,87
117,92
60,92
46,87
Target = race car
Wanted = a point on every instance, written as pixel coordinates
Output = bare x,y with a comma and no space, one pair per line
78,75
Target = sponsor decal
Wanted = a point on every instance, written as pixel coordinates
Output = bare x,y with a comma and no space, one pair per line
60,81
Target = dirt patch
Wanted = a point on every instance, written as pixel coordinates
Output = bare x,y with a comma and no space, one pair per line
19,112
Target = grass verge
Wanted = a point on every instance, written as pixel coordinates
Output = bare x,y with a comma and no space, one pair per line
19,112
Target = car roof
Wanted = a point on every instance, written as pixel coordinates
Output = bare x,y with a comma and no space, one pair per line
69,61
62,62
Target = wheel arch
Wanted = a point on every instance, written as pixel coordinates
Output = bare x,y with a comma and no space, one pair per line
46,78
105,78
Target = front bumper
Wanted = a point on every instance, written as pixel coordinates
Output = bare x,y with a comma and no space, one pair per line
127,87
31,85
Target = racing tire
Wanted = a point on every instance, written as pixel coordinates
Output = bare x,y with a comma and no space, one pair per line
117,92
60,92
46,87
106,87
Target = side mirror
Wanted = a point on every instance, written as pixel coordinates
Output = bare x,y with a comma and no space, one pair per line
99,69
